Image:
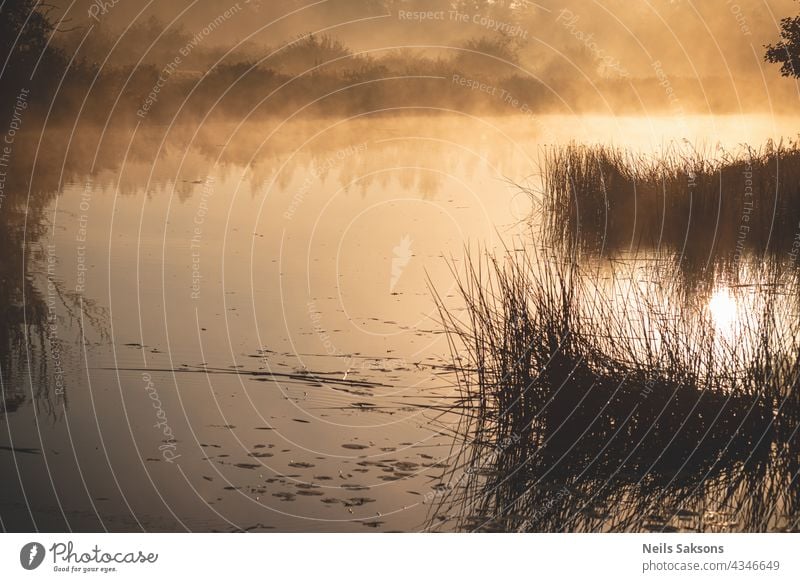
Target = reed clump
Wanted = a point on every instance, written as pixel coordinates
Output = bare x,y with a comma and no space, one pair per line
606,381
720,203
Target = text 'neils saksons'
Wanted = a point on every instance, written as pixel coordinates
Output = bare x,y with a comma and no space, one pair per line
664,548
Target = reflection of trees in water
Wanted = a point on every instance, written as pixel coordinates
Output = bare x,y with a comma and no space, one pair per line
421,154
407,150
35,308
88,156
23,312
574,421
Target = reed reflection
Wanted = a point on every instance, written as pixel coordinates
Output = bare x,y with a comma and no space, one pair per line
610,399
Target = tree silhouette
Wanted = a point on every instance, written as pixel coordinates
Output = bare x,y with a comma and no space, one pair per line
26,59
787,50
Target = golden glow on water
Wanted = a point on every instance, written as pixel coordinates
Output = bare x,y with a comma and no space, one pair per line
301,274
723,309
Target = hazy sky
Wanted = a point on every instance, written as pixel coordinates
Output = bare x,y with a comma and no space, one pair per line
689,37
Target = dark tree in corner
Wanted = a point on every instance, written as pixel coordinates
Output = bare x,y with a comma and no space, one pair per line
787,51
26,57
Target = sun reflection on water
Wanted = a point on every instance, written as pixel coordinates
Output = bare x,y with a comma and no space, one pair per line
723,309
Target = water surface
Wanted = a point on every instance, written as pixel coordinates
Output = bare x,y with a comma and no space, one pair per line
231,327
